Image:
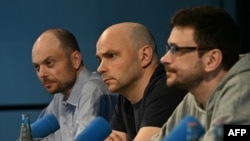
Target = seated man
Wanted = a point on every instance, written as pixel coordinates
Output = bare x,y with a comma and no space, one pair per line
79,95
129,65
202,57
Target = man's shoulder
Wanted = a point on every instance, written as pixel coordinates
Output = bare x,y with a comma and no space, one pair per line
95,76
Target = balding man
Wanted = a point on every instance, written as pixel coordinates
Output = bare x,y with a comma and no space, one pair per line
129,65
79,95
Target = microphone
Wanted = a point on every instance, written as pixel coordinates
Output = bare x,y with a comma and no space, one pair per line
179,133
44,126
97,130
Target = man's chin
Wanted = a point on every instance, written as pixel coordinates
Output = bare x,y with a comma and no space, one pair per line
112,89
52,92
170,83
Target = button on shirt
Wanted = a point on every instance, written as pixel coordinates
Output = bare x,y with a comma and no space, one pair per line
86,101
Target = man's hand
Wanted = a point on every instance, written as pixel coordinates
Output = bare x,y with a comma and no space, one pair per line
117,136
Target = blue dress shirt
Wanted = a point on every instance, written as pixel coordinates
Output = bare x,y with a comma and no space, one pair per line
89,98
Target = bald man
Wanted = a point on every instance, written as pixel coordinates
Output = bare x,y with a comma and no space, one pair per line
129,65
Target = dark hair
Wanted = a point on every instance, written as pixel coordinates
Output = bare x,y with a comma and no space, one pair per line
67,39
213,28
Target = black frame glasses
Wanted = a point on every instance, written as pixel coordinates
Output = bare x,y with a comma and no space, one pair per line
175,49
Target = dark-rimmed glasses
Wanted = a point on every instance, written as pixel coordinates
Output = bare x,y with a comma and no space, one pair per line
175,49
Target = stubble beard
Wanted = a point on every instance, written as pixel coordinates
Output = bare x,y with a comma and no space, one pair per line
187,79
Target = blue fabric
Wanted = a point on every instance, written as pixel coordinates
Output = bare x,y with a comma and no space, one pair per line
89,98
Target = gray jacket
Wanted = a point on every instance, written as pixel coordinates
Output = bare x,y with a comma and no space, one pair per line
229,103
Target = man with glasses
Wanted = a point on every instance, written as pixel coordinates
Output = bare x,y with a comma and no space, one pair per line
203,57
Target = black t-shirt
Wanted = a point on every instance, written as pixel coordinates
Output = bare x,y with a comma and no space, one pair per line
157,104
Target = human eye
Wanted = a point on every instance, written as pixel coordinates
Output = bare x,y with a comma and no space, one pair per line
36,67
173,49
110,55
50,63
98,59
167,48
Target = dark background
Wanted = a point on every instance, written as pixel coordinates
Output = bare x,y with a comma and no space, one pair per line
22,21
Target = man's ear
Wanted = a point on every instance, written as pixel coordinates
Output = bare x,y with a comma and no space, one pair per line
146,55
76,58
213,60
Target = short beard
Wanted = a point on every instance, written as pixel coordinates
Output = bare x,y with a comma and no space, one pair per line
189,79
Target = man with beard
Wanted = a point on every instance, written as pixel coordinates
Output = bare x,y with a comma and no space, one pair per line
79,95
203,57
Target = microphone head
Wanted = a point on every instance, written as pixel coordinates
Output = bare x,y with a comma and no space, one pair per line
179,133
44,126
97,130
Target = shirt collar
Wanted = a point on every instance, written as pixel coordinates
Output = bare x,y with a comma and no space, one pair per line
77,88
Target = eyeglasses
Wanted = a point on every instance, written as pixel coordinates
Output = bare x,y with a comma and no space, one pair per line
174,50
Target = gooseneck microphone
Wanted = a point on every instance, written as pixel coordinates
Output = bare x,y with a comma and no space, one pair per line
44,126
97,130
180,133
